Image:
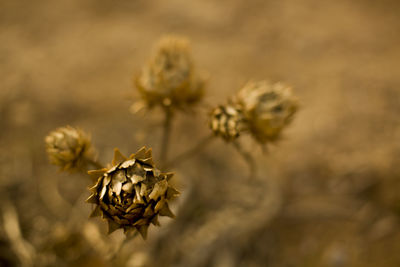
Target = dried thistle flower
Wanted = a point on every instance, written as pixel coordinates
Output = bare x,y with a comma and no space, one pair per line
132,193
268,108
170,78
69,148
227,121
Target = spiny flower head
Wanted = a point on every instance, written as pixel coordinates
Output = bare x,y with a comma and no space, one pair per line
227,121
132,193
68,148
268,108
170,78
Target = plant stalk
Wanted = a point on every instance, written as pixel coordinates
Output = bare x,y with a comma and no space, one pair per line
192,151
248,158
94,163
166,134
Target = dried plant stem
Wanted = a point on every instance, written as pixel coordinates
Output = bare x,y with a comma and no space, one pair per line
53,200
94,163
191,152
75,215
248,158
166,134
114,255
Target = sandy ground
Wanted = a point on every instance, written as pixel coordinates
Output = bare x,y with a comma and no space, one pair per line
327,195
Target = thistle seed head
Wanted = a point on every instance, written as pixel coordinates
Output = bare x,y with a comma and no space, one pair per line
68,147
268,108
227,121
170,78
132,193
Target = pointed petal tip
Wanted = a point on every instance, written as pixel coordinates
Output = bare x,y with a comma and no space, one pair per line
91,199
149,153
143,231
172,193
141,153
165,211
168,175
155,221
118,157
129,232
96,212
112,226
93,188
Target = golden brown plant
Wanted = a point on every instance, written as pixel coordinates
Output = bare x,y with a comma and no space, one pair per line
267,108
132,193
69,148
170,78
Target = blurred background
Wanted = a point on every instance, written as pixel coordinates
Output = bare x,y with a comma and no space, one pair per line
326,195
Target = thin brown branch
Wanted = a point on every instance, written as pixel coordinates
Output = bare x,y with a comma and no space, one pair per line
166,135
248,158
120,246
94,163
191,152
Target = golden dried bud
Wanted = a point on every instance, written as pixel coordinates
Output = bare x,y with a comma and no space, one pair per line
68,148
132,193
227,121
268,108
170,78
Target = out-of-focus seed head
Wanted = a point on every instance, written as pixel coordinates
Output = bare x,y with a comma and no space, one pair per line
268,108
227,122
132,193
170,78
68,148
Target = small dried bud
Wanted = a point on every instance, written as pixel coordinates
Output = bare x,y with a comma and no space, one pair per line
268,108
68,148
227,121
170,78
132,193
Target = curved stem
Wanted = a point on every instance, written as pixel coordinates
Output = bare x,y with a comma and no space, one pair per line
52,198
192,151
166,135
95,163
114,255
248,158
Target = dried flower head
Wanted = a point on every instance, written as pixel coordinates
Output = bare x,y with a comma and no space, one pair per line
227,121
68,148
132,193
268,108
170,79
